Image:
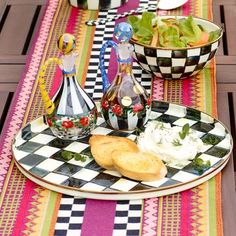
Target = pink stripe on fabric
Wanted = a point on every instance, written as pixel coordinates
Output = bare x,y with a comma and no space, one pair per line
150,217
99,218
113,62
157,89
186,8
25,207
185,217
69,29
186,92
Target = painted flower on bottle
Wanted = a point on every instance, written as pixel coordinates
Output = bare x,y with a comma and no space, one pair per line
117,109
137,108
49,121
105,105
67,124
84,121
149,101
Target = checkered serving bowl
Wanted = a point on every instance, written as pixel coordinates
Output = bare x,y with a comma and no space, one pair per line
177,63
97,4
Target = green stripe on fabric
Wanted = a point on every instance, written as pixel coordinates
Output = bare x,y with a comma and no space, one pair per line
212,207
208,89
85,52
49,213
205,9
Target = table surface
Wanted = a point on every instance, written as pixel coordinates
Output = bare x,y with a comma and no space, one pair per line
26,15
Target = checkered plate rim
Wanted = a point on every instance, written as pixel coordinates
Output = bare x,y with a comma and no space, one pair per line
122,195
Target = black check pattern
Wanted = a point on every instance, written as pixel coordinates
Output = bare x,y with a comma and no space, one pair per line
100,4
128,218
42,154
70,216
174,64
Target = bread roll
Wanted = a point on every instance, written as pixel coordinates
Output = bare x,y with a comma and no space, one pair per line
141,166
102,147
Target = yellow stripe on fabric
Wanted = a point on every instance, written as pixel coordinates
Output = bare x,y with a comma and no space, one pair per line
5,186
160,216
203,202
212,207
213,227
172,214
48,213
84,45
141,218
219,219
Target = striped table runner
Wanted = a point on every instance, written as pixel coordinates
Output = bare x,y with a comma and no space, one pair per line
29,209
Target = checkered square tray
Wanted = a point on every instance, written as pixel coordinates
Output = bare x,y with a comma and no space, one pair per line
37,154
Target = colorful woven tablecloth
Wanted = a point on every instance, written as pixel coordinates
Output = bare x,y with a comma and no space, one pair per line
29,209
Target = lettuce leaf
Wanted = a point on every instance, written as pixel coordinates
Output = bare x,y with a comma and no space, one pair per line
189,30
143,29
169,36
213,35
133,21
172,33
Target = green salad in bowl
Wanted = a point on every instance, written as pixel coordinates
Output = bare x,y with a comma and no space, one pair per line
173,47
170,32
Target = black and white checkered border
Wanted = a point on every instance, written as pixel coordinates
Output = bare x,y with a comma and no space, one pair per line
174,64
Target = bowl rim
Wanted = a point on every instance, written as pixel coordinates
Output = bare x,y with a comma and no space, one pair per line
186,48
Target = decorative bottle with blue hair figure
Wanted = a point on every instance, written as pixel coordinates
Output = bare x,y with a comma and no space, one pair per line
125,104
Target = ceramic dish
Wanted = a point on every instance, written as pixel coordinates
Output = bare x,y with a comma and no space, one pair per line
96,4
37,154
177,63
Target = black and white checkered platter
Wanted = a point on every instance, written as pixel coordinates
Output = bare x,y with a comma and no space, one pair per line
37,154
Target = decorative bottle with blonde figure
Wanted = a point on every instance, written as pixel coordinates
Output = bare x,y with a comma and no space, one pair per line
71,113
125,103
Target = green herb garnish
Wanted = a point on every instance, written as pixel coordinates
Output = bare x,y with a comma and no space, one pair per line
160,126
138,131
79,157
211,139
199,165
67,155
176,142
185,131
